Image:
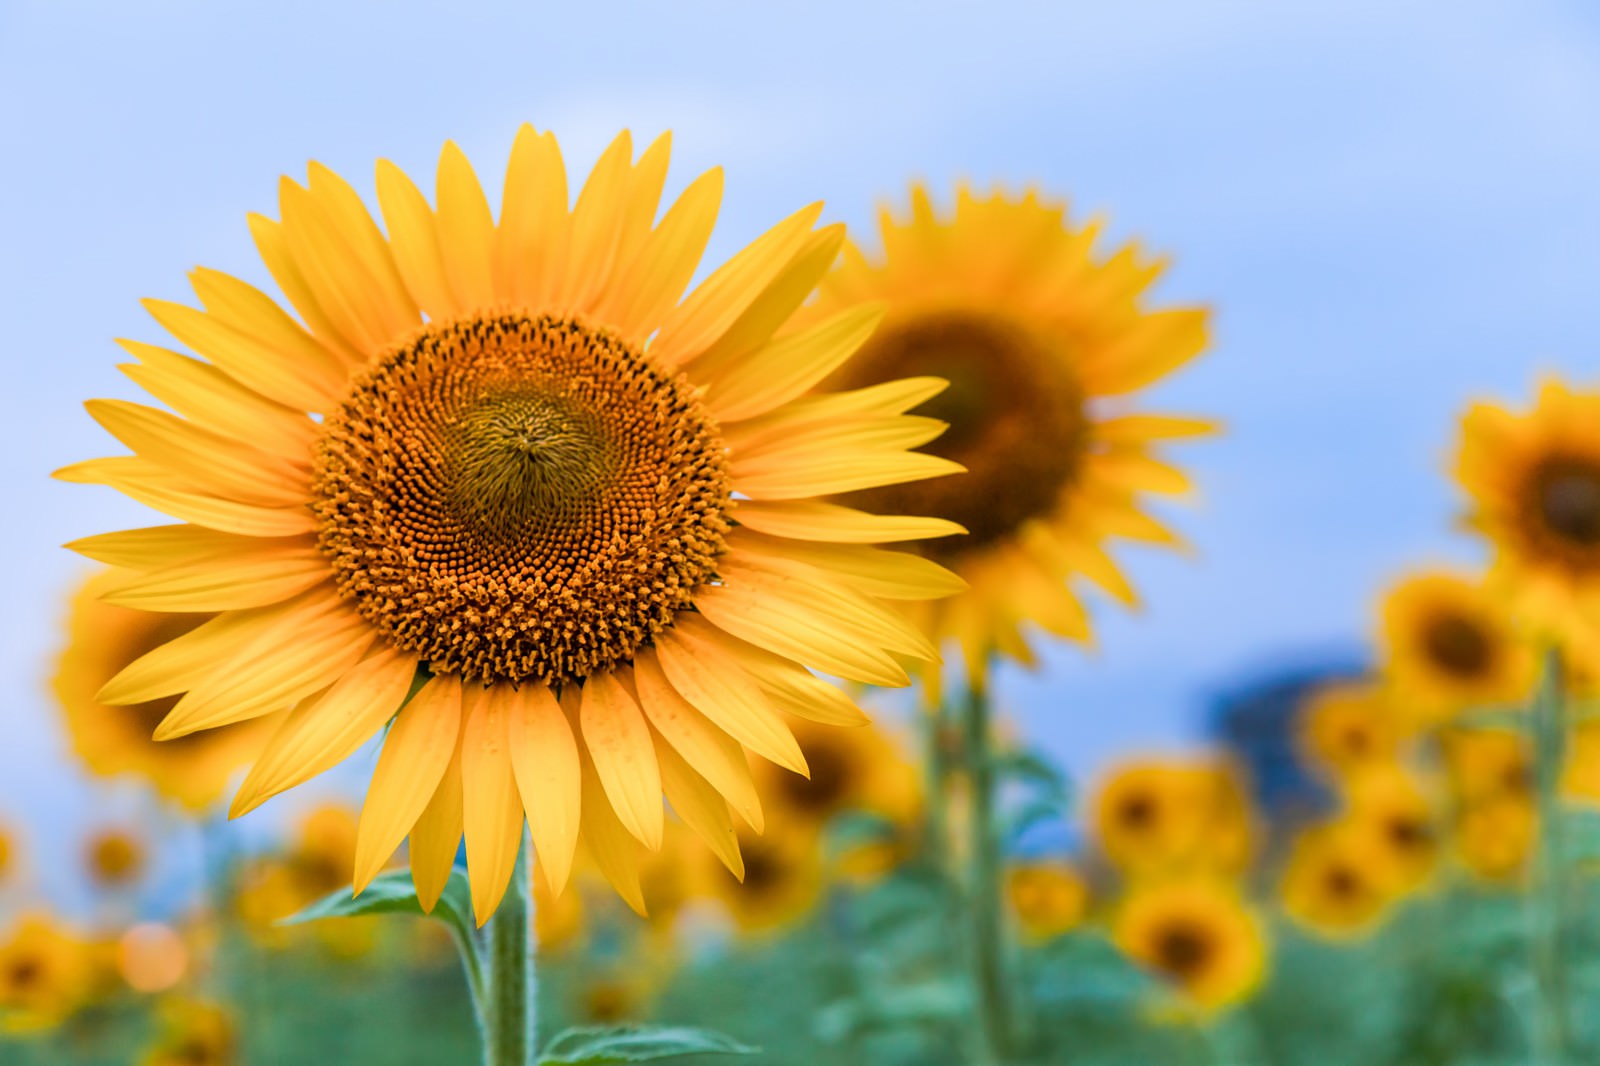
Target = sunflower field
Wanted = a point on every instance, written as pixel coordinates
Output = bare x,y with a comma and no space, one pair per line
557,592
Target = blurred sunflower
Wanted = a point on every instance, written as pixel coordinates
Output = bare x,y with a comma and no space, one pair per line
8,853
47,973
1042,339
1158,816
316,864
1487,764
1533,483
114,857
192,1033
1580,780
1495,837
1199,935
1395,807
1346,727
528,456
1341,879
1048,898
783,880
558,918
102,639
1447,644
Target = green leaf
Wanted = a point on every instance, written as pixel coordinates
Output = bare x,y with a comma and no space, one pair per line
394,893
598,1044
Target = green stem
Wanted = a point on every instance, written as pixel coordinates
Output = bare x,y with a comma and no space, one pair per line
988,945
1547,899
936,824
507,1013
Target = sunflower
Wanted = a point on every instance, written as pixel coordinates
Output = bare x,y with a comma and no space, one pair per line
1488,764
1448,645
1158,816
47,973
781,882
1341,879
316,864
8,853
502,485
102,639
193,1033
115,857
1495,838
1395,808
1041,338
1198,935
1533,483
1580,780
1347,727
1048,898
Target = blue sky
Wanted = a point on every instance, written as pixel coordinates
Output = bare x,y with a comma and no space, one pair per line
1392,208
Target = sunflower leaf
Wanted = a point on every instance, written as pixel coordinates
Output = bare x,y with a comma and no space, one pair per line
595,1045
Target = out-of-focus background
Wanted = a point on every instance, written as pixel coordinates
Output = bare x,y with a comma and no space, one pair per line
1391,207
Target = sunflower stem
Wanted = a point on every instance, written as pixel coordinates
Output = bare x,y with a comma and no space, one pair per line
988,946
1547,901
508,1008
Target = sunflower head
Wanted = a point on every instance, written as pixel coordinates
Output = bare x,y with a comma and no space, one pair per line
1341,879
1447,644
1487,764
501,490
1580,780
114,857
1347,727
103,638
47,973
1533,485
192,1033
1159,816
782,881
1495,837
1047,898
1196,934
1042,337
1393,806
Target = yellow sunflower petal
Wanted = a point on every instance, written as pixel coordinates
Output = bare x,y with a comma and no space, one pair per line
613,849
153,487
701,808
619,745
182,662
491,808
669,258
745,613
250,361
466,229
415,756
532,238
436,836
712,752
816,520
595,220
254,577
786,367
155,547
414,239
544,758
322,732
710,680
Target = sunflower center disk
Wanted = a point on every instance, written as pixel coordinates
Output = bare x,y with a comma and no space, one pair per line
1183,951
1016,422
1567,497
519,497
1458,645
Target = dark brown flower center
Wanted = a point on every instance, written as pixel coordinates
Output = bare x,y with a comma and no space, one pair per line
1016,422
1183,950
824,791
23,973
1342,882
1137,811
1459,645
520,498
763,869
1408,833
1566,500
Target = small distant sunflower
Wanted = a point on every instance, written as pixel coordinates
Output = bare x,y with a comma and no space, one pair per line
1341,880
1488,764
102,639
316,864
193,1033
1495,838
782,881
1396,809
1448,644
115,857
498,485
1199,935
47,973
1042,339
1347,727
1159,816
1533,482
1048,898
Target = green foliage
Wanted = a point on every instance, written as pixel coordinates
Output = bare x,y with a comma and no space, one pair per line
595,1045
